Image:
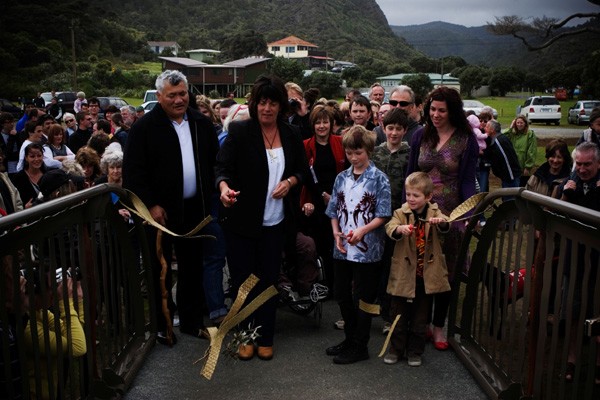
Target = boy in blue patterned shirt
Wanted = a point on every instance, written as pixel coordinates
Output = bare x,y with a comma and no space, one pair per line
359,207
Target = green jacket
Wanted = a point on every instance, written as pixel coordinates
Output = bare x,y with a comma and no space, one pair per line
394,166
525,146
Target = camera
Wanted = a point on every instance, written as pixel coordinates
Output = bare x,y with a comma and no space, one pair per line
294,105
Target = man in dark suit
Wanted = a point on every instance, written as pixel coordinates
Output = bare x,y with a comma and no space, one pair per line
169,162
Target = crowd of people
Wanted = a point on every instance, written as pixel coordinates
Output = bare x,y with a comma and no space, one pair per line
369,181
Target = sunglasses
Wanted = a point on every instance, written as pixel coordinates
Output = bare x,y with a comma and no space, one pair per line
395,103
68,121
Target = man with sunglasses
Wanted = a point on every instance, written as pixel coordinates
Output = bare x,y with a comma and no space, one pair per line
70,125
403,97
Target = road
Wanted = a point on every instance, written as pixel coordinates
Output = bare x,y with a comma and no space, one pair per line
301,370
564,132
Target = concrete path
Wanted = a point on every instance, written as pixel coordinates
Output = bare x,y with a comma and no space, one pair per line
301,370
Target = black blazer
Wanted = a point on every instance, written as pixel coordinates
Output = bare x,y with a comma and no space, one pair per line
242,163
153,168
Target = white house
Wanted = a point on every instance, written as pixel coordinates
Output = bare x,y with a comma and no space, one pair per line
291,47
158,47
204,55
389,81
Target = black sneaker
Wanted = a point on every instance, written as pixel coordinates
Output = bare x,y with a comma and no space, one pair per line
338,348
351,355
200,333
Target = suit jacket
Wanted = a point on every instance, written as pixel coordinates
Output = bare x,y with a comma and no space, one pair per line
153,166
242,163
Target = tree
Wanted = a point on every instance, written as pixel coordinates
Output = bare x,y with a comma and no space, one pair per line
243,44
542,32
471,78
328,83
424,64
419,83
533,82
453,62
502,80
591,71
351,74
287,69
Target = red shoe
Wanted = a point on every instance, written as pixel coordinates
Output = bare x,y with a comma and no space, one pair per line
429,335
441,345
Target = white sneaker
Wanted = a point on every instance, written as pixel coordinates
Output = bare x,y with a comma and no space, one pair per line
390,358
387,326
318,292
414,361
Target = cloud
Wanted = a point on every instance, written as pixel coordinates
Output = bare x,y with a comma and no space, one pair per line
477,12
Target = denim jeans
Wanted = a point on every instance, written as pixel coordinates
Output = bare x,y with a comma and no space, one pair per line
510,184
214,262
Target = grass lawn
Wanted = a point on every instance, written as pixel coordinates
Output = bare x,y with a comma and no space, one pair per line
507,107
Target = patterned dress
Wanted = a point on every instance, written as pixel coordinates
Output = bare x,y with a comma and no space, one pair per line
443,167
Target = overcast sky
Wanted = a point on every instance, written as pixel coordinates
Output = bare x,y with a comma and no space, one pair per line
477,12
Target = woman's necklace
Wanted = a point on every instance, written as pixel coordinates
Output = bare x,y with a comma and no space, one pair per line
34,177
270,151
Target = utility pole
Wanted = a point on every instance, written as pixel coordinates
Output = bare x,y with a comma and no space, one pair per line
73,58
442,78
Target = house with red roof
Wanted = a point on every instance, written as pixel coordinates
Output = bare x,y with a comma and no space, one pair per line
300,50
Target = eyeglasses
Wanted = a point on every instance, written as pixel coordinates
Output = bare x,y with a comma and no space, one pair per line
68,121
395,103
93,105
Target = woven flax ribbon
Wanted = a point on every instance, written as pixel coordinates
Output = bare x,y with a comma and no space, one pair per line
465,207
235,316
140,209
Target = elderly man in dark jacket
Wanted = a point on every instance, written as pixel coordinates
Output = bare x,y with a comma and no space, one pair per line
502,156
169,161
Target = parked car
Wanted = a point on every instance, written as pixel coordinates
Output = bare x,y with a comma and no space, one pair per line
66,100
580,112
476,106
111,101
150,95
8,106
541,109
149,105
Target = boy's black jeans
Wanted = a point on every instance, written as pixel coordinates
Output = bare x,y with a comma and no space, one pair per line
354,280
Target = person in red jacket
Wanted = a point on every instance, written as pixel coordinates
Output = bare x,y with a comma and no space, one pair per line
326,158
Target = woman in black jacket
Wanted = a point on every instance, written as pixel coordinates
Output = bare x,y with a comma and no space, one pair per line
259,170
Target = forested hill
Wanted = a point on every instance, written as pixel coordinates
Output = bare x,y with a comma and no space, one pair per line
476,45
35,36
347,29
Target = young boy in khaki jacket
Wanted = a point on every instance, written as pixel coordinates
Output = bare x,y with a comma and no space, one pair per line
418,267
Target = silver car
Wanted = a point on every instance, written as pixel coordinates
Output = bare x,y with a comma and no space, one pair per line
476,106
580,113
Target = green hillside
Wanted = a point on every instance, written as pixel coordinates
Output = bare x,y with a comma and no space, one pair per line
110,37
